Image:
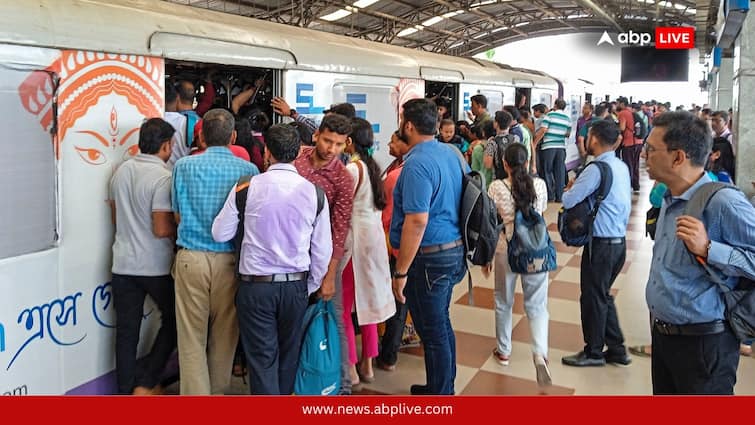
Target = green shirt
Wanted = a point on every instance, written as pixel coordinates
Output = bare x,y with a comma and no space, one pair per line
478,165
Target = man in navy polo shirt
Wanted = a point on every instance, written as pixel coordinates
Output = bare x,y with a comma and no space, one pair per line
425,230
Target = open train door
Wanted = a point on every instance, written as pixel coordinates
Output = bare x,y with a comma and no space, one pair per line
442,86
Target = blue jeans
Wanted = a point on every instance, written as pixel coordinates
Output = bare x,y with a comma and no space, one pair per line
428,294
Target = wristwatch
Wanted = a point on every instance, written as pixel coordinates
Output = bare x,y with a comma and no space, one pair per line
397,275
292,113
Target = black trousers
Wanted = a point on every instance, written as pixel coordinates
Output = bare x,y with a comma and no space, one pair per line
270,323
539,163
128,297
394,330
554,170
600,323
631,156
694,364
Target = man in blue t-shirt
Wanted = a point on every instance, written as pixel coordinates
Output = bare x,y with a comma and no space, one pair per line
425,230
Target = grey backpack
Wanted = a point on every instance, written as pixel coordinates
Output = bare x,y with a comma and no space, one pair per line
739,301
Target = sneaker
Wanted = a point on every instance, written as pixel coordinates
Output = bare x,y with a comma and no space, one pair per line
501,358
542,371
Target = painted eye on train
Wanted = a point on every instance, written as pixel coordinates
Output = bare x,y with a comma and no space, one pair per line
91,155
131,152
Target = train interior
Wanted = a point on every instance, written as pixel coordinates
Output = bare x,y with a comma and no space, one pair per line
228,83
444,94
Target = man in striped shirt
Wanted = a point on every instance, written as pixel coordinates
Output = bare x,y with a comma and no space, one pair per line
551,137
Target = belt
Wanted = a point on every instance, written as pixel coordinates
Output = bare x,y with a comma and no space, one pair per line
281,277
695,329
608,241
437,248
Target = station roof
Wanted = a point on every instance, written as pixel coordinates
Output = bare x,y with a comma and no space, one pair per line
468,27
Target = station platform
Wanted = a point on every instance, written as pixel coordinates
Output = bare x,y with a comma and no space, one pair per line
478,373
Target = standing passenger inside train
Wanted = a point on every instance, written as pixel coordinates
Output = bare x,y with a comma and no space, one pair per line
285,252
204,269
321,165
694,350
369,289
605,254
425,230
185,107
179,148
143,256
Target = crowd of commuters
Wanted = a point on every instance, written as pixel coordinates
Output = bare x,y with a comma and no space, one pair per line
313,216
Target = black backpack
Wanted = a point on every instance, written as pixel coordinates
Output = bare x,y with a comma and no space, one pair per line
502,142
640,128
576,224
479,221
739,301
242,187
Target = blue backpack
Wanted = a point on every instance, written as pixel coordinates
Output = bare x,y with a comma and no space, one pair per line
530,249
191,120
319,371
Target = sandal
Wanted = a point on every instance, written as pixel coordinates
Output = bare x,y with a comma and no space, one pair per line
641,350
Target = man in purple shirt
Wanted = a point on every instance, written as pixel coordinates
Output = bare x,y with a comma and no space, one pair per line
285,253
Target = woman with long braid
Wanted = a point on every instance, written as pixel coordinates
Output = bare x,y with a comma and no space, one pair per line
519,192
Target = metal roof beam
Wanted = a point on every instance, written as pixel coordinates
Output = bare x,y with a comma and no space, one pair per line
475,11
601,13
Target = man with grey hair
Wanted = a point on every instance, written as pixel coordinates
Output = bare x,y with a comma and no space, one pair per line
685,302
204,270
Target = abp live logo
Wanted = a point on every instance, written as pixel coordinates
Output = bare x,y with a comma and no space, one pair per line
674,37
665,38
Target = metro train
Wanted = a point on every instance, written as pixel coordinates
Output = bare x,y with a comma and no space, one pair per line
79,76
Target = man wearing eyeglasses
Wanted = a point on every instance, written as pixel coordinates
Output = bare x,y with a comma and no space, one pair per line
694,350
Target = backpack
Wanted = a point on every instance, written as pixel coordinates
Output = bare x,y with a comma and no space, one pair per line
319,371
478,218
739,301
502,142
191,120
242,187
576,224
640,126
530,249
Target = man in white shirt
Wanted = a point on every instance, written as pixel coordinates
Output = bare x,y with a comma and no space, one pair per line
285,253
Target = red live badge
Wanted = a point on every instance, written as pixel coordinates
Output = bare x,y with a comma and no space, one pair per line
674,37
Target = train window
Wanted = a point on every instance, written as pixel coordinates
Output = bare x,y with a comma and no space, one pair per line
27,166
228,82
495,100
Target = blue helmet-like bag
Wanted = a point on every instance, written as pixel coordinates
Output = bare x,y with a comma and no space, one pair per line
319,371
530,249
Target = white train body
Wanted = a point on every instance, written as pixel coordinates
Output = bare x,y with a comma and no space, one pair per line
78,78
